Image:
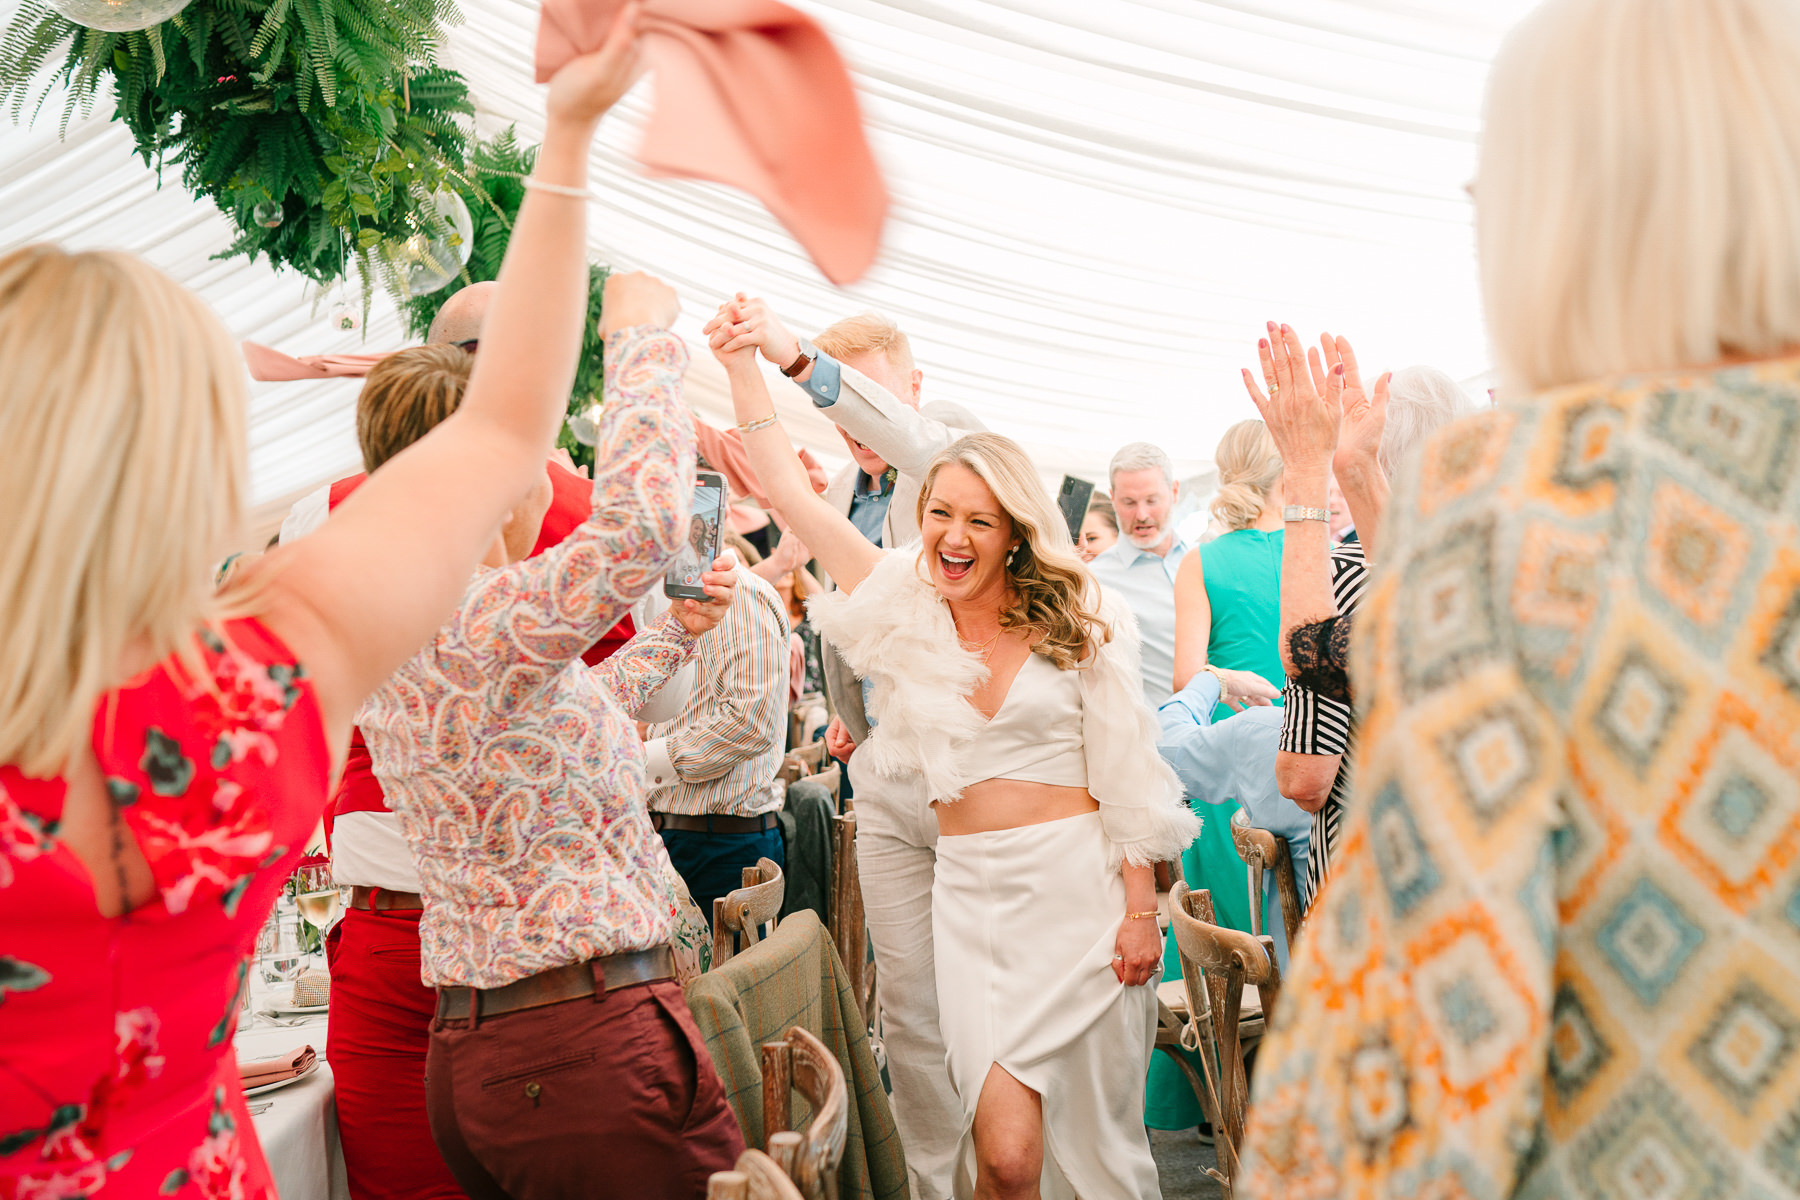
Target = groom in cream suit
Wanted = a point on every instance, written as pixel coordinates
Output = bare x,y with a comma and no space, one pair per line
860,373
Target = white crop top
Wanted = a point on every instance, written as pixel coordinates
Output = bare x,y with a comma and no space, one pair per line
1035,735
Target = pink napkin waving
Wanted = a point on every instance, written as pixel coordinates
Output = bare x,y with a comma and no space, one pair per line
753,94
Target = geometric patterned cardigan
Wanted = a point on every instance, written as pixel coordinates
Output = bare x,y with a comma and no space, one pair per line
1560,951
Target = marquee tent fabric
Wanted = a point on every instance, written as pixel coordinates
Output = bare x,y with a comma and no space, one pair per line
1097,205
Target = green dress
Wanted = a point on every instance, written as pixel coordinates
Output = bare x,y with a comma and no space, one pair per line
1243,585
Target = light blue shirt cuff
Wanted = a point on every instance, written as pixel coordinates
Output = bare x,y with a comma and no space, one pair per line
1193,704
823,384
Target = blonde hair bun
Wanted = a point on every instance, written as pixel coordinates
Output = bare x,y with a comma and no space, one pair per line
1249,467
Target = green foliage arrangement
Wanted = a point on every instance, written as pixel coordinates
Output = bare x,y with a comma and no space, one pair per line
492,189
321,128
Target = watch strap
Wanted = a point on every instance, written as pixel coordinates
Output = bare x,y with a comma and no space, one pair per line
1296,512
808,353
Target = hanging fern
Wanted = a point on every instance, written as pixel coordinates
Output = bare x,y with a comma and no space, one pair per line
491,188
332,110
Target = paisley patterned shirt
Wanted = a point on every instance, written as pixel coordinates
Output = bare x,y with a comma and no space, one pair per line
1559,954
516,773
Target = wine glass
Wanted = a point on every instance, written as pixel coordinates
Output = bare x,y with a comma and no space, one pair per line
320,900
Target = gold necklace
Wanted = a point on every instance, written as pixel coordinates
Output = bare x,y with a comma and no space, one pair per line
985,649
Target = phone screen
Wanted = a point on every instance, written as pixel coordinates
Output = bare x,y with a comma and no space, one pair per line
702,545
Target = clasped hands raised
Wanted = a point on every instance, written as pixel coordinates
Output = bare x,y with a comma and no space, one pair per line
742,326
1316,408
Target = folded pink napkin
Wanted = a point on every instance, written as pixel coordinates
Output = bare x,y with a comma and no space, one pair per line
259,1071
753,94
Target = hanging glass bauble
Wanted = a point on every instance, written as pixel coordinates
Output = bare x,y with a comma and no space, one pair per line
586,427
345,319
432,259
267,214
118,16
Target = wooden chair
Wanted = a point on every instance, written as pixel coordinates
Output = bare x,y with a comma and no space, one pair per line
812,757
811,1156
805,715
832,780
744,912
1263,851
849,924
1219,968
756,1177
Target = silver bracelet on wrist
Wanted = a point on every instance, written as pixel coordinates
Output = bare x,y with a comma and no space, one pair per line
759,423
557,189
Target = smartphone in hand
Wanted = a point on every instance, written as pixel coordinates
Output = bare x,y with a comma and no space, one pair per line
705,532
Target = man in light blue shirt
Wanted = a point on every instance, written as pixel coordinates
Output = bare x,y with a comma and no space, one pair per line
1141,565
1235,760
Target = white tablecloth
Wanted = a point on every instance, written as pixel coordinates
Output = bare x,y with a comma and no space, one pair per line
299,1131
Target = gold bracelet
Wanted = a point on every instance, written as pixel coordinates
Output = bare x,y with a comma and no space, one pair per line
759,423
1142,916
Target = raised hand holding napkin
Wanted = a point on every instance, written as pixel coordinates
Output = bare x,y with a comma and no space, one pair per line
750,93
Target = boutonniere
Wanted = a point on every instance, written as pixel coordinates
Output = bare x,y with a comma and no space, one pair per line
888,476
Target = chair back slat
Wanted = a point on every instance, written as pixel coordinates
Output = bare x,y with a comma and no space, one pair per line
757,1176
849,923
811,1157
1263,851
1216,964
746,911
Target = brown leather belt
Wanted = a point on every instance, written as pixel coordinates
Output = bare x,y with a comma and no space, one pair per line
683,823
596,977
381,900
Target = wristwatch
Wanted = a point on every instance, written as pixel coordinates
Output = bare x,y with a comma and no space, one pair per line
808,355
1295,512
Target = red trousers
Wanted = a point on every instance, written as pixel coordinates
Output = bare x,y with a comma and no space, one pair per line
380,1030
613,1098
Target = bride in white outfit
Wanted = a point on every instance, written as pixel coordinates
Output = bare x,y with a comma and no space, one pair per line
1007,679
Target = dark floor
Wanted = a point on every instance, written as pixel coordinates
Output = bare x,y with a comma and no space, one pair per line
1181,1159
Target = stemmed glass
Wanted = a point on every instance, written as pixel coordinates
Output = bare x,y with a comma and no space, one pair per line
320,900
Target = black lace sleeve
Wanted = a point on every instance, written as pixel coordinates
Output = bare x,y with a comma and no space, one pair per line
1321,654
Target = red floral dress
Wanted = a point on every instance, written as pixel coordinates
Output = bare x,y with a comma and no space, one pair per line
117,1077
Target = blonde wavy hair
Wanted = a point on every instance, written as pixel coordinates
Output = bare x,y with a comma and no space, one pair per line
1249,466
1637,206
1057,598
122,477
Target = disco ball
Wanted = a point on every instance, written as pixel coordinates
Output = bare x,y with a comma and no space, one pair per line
429,262
118,16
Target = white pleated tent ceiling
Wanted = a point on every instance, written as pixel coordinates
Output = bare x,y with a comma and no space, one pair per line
1097,206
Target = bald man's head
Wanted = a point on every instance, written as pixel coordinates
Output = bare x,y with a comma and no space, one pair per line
460,318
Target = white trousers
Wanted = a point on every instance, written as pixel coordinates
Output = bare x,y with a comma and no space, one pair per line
896,836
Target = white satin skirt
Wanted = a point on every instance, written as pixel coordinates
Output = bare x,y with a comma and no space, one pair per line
1024,923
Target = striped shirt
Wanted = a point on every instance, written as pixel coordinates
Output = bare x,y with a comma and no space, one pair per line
1315,724
720,755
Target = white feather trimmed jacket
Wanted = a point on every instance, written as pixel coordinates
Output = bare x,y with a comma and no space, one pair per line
895,631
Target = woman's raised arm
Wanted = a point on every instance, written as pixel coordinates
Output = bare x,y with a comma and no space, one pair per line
847,555
360,595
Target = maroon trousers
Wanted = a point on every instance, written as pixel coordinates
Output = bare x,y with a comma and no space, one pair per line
380,1028
609,1096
